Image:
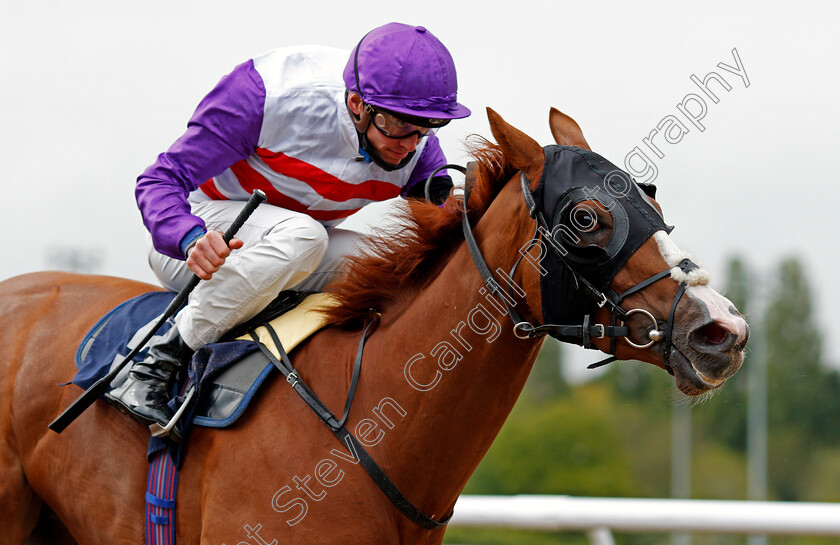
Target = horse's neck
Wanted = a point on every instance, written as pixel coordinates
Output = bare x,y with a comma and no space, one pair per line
462,367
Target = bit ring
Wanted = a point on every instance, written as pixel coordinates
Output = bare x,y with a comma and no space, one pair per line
653,333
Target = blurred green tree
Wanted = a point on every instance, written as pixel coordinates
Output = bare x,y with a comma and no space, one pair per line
566,446
546,381
803,394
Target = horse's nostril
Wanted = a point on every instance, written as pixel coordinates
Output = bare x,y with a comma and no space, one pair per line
713,333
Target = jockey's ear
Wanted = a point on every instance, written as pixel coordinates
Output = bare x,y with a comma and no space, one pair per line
358,113
565,130
521,150
354,102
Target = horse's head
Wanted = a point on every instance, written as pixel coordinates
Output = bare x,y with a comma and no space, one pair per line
610,276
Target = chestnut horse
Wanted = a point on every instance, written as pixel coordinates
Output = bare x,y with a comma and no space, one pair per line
440,374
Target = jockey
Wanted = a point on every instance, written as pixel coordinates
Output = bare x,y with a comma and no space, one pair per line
319,147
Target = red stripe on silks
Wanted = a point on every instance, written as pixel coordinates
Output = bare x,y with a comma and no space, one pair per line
250,180
209,189
324,183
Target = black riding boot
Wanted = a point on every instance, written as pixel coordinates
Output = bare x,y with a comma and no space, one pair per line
145,393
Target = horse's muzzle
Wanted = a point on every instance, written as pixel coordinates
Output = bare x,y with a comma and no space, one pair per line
709,349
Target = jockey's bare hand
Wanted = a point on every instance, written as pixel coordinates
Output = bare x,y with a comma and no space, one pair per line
209,253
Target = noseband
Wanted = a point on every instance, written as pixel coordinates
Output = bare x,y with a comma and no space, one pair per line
583,284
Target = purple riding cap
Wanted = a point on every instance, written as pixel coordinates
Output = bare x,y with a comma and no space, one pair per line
406,70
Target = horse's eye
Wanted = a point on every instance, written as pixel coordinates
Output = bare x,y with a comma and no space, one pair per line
584,220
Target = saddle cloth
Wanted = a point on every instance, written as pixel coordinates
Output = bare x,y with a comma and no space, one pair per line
227,374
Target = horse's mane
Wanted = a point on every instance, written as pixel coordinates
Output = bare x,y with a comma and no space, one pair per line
393,263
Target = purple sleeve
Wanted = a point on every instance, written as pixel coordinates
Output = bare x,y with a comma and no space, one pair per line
430,158
224,129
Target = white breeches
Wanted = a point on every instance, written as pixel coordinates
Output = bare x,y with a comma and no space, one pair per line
282,250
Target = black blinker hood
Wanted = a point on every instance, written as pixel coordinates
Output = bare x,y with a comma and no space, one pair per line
570,176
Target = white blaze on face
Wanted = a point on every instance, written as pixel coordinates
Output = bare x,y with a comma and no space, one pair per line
698,288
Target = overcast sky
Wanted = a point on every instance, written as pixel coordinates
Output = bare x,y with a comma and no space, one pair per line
92,91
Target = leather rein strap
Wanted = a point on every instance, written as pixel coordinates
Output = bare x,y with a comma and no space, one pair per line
284,365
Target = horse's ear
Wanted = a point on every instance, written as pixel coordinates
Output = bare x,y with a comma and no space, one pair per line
565,130
521,150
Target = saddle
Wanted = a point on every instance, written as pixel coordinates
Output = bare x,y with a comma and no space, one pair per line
226,375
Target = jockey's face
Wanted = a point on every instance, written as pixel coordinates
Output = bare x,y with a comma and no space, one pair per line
390,150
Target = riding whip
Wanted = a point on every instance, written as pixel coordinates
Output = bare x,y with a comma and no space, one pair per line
101,386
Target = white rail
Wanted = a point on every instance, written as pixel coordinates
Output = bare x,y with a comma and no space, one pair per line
648,515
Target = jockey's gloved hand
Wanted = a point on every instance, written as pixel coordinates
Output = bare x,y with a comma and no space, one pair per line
439,189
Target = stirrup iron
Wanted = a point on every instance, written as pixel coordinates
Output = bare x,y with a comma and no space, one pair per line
163,431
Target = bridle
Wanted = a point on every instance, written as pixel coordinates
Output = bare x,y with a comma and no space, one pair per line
583,334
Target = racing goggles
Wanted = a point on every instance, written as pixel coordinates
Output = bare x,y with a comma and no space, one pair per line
394,127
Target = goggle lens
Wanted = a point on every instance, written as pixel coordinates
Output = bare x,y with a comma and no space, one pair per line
394,127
